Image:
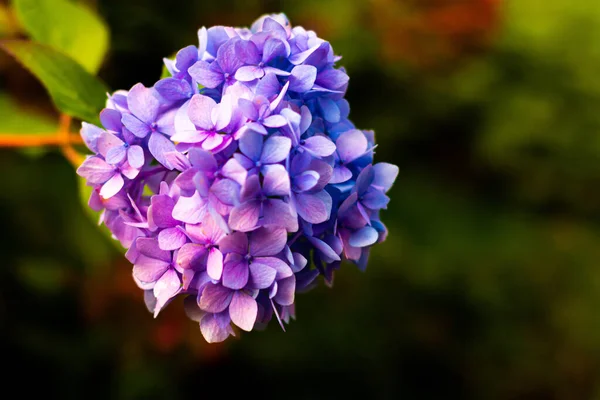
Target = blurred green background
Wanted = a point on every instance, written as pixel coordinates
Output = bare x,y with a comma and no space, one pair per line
487,287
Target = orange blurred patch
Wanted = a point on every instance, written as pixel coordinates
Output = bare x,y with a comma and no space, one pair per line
430,34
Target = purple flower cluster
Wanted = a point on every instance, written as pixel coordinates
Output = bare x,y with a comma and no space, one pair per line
226,178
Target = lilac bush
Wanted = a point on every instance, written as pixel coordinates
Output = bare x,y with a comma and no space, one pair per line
239,179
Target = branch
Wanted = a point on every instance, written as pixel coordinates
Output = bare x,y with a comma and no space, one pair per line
15,140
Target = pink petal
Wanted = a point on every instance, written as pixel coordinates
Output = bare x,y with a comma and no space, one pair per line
243,311
112,187
214,265
166,288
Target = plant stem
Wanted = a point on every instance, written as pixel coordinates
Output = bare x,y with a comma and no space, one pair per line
14,140
63,138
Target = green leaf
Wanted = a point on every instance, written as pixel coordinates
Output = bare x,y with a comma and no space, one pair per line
74,91
66,26
17,118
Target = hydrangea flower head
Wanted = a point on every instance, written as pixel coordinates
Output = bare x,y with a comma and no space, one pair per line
239,179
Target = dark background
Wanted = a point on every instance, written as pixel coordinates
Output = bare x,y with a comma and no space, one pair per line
488,286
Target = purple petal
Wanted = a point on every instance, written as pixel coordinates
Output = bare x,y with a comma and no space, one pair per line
90,134
332,79
212,141
128,171
135,156
249,73
330,110
282,268
208,77
143,103
181,121
275,121
278,213
171,239
319,145
111,120
251,188
202,159
305,119
326,251
251,145
351,145
276,149
200,110
247,164
236,242
267,241
247,106
186,57
172,89
275,104
229,55
349,202
227,191
112,186
234,171
214,264
212,331
106,142
303,78
268,86
375,200
116,155
235,274
243,311
244,217
190,210
215,298
324,170
306,180
165,288
159,145
276,181
159,212
385,175
314,208
340,174
222,113
285,291
185,180
364,237
299,58
273,48
148,269
364,180
191,136
299,262
216,36
261,275
95,170
190,256
149,247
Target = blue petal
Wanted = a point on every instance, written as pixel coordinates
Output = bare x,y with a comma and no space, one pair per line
363,237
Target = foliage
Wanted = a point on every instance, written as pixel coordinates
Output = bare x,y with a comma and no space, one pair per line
66,26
